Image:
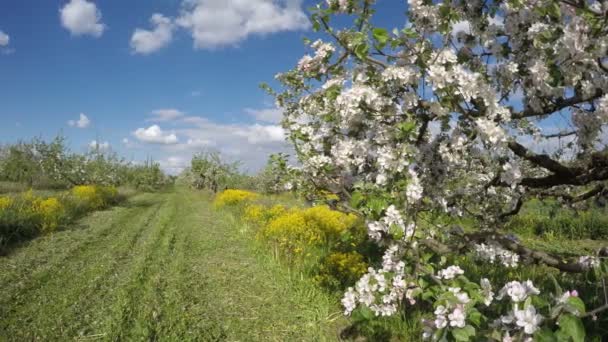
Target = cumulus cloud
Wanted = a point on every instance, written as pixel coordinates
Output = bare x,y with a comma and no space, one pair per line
174,164
168,114
148,41
257,133
196,143
271,115
5,39
82,17
216,23
82,122
98,145
155,135
250,144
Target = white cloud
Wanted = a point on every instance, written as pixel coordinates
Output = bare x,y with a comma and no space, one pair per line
146,41
262,133
216,23
82,122
196,143
155,135
196,93
272,115
250,144
5,39
168,114
98,145
81,17
174,164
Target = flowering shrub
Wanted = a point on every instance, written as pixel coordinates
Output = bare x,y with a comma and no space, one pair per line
233,198
26,215
51,213
442,120
89,195
5,202
297,230
341,269
93,197
261,215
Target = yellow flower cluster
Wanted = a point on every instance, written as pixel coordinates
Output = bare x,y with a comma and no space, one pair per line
51,212
36,213
234,197
340,269
320,239
94,197
5,202
261,215
295,230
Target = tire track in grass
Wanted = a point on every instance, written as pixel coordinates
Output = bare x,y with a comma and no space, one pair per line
135,316
241,296
52,298
186,306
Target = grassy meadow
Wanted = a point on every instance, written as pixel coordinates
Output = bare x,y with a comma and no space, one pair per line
190,265
164,267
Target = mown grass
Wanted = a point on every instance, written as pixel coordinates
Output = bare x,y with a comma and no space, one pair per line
162,267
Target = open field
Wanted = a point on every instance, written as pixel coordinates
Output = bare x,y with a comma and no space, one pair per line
161,267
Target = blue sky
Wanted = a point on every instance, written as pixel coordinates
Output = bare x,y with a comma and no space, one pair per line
197,64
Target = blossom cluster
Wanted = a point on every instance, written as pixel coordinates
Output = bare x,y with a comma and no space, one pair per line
435,120
316,63
493,253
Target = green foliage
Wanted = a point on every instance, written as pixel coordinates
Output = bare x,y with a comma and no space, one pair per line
148,177
546,218
209,171
26,215
275,177
45,165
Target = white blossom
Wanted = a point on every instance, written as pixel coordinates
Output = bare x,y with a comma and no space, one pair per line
450,272
528,319
518,292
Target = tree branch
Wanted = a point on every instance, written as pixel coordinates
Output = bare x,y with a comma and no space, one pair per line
558,105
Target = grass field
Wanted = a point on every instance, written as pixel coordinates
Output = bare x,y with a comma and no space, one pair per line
163,267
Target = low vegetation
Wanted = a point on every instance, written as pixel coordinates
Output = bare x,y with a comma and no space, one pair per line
27,215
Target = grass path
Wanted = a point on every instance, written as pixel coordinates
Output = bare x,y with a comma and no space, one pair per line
164,267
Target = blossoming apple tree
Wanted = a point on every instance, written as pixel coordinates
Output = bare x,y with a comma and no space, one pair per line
467,111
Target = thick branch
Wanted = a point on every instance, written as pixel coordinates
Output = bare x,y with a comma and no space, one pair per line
512,245
541,160
558,105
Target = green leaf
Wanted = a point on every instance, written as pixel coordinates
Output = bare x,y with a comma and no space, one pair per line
381,35
545,335
377,205
571,329
463,334
361,51
362,314
410,33
396,231
475,317
356,199
575,305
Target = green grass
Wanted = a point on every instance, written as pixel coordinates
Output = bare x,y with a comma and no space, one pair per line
163,267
